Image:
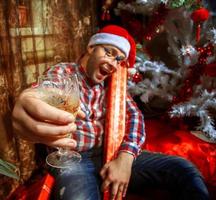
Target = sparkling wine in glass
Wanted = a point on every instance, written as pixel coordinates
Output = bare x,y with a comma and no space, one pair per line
61,91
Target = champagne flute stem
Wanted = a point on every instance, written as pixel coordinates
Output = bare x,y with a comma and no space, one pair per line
63,151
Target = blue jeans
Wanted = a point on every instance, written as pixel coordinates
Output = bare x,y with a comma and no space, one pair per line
81,181
171,173
150,170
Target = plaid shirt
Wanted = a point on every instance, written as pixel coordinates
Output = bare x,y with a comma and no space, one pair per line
90,131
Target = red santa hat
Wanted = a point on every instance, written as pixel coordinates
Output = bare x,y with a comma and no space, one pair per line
118,37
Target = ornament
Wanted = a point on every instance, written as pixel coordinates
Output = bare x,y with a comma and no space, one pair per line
210,69
199,16
205,52
175,100
154,24
105,16
137,77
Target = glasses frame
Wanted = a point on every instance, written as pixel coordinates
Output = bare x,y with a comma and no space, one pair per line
121,60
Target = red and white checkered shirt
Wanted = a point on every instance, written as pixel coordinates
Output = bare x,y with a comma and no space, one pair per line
90,130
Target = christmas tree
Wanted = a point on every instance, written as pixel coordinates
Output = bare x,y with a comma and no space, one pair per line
182,82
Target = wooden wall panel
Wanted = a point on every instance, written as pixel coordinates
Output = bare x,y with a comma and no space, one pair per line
51,32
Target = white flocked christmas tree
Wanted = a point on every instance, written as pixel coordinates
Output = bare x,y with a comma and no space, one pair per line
189,87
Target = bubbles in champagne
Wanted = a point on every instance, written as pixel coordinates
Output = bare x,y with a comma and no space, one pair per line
55,97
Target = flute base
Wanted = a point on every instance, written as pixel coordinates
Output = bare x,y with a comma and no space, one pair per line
63,159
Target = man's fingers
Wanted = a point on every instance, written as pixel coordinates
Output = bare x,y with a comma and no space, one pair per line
43,128
117,191
81,114
43,111
63,142
53,141
105,185
114,190
103,172
120,191
125,190
39,122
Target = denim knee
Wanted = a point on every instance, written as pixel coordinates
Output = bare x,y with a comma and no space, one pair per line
190,182
80,182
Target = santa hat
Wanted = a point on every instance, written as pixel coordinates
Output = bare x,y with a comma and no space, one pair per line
118,37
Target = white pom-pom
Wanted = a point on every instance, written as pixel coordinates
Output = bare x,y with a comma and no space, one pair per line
132,71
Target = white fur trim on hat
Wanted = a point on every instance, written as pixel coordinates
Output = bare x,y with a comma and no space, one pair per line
108,38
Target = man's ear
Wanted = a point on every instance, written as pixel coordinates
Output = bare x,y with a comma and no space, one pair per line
90,49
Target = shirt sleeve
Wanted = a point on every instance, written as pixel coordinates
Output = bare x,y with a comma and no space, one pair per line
61,68
135,129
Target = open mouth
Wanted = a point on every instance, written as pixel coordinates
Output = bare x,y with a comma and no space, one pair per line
105,70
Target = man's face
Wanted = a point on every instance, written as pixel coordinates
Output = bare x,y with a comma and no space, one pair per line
103,61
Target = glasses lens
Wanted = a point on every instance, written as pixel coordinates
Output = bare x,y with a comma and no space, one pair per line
109,54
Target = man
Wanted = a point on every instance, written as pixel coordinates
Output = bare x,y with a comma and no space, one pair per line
39,122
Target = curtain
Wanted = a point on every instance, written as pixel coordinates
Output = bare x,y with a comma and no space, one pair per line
33,35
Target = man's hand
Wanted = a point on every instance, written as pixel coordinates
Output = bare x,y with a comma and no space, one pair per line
38,122
116,174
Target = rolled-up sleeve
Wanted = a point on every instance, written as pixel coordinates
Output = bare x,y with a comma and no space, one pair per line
135,129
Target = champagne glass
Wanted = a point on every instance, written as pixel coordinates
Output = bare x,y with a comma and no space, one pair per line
61,91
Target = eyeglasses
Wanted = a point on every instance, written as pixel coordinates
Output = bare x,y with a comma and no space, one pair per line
112,54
